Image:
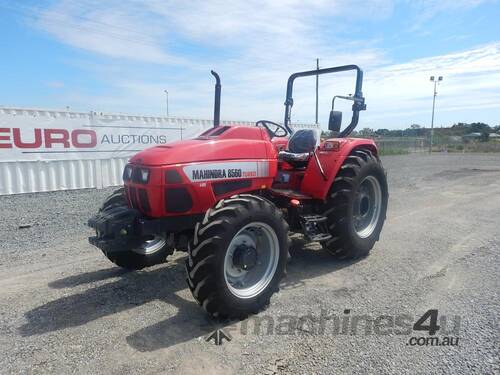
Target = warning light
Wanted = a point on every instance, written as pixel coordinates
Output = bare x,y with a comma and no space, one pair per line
295,202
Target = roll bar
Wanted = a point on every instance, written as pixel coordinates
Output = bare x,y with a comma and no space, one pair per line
357,106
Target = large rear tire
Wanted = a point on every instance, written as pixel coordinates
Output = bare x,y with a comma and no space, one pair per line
356,206
238,256
153,250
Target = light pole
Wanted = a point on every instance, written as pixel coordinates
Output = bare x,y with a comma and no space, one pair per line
436,82
166,93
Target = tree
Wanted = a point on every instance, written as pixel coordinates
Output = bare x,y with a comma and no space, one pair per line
479,127
382,132
366,132
328,134
485,137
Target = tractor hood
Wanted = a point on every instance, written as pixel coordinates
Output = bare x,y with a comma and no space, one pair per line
201,149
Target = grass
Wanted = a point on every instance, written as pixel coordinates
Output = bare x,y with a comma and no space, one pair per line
393,151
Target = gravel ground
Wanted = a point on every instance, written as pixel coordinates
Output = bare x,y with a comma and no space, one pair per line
66,309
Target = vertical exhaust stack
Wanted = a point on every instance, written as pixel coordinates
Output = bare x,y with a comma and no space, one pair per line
217,99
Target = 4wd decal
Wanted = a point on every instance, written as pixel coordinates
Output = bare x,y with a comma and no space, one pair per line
227,170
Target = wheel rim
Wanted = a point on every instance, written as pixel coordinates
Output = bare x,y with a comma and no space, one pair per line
367,206
151,245
257,239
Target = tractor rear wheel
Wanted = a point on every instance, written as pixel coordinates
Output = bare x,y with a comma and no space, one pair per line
237,257
152,250
356,206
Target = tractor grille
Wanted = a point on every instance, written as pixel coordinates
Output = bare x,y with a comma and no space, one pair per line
138,198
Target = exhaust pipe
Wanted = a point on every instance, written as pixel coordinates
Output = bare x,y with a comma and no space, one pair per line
217,99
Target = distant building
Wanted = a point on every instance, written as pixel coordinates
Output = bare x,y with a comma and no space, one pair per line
495,137
472,137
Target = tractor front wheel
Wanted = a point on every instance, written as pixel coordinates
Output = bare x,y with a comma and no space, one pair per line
356,205
238,256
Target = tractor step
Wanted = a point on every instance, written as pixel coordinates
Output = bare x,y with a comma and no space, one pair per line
315,227
314,218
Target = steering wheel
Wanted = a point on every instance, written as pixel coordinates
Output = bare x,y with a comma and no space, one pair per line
280,130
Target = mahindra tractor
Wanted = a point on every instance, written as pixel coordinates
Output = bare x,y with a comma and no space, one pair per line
232,196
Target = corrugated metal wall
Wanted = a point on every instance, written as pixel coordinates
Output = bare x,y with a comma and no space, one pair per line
34,176
49,175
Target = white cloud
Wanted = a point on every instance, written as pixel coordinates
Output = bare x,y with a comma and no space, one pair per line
428,9
267,32
405,91
255,45
110,31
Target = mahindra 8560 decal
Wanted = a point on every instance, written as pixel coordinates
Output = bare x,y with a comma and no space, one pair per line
228,170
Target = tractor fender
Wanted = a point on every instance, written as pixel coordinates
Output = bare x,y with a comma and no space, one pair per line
331,154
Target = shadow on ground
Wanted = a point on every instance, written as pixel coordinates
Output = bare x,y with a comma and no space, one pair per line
131,289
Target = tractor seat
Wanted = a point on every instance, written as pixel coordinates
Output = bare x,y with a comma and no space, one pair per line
299,148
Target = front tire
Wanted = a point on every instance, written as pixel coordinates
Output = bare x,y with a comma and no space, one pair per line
151,251
356,206
238,256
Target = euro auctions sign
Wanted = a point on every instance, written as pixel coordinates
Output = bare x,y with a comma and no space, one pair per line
29,135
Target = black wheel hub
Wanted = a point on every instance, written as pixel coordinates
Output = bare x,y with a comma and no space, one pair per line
245,257
364,204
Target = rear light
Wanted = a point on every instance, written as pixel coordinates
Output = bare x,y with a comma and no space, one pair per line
331,146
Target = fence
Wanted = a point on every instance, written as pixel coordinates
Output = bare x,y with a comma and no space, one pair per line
402,145
440,143
45,150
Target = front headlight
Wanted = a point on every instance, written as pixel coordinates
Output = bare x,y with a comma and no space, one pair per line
143,175
127,173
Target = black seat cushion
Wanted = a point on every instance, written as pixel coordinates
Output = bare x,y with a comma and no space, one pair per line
299,148
303,140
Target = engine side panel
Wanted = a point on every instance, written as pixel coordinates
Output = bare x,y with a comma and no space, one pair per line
192,188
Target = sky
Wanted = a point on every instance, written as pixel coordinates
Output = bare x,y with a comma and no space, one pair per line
119,56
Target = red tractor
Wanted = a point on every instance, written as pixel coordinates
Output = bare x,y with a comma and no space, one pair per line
231,196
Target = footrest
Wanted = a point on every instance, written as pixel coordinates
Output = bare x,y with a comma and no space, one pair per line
314,218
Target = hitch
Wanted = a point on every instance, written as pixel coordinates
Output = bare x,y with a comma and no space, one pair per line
315,227
115,229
